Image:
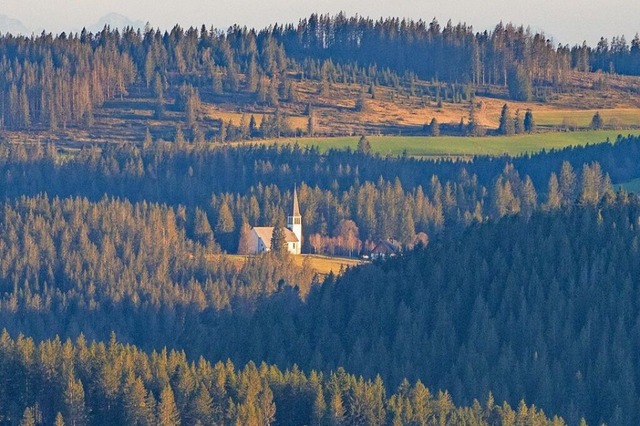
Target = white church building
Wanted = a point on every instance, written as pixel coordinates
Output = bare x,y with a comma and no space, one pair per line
261,235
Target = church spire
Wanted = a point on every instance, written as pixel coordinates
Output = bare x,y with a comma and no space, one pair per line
294,222
296,208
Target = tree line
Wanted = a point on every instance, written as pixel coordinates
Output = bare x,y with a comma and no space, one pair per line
95,383
350,200
547,315
55,81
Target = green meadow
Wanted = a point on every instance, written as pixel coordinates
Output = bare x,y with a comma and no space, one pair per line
443,146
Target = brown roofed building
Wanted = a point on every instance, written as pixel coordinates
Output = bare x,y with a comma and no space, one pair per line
386,248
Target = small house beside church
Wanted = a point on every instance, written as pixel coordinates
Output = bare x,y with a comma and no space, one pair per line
386,248
261,235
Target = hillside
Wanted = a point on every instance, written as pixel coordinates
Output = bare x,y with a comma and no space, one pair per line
547,315
334,114
209,86
134,165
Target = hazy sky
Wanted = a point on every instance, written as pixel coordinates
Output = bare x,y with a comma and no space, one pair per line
566,21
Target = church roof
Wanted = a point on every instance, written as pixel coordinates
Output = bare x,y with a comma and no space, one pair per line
266,232
296,208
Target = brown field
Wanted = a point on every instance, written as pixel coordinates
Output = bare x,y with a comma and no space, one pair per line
215,112
322,265
392,112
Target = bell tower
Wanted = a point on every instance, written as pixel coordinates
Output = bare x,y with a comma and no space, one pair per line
294,222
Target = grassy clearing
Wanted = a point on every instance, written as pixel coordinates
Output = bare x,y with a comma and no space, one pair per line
423,146
322,265
210,112
625,117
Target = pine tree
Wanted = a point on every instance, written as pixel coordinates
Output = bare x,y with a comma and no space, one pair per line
252,75
519,82
59,420
568,184
518,125
364,146
225,223
168,414
554,197
319,407
76,414
272,93
28,419
529,197
253,127
202,406
148,140
135,407
529,122
278,241
596,121
244,242
336,408
434,127
231,83
179,139
506,122
361,104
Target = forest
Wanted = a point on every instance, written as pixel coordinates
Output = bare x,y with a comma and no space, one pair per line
56,81
130,240
232,188
78,383
127,295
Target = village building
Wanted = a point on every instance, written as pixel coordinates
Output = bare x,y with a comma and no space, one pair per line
261,235
386,248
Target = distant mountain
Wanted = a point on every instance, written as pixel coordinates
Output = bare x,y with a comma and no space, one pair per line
13,26
115,20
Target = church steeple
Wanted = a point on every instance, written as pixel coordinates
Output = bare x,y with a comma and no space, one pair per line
294,222
296,208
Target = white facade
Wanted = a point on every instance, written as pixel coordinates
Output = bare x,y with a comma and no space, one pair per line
261,236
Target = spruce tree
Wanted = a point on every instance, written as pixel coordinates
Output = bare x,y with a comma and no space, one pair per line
364,146
244,242
434,127
506,122
529,122
596,121
518,124
168,414
278,241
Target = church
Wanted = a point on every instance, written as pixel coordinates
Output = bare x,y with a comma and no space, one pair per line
261,236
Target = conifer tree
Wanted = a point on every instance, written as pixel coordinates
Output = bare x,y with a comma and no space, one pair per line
506,122
225,222
244,242
596,121
202,231
59,420
568,184
529,122
434,127
168,414
76,414
278,241
554,197
28,419
364,146
518,124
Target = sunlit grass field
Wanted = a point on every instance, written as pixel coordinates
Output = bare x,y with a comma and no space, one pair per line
322,265
423,146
